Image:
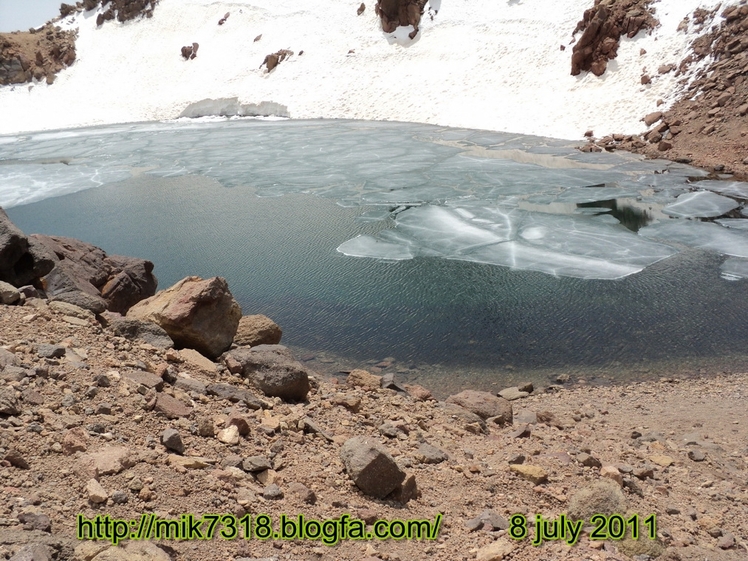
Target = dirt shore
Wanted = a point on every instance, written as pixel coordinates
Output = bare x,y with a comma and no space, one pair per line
678,448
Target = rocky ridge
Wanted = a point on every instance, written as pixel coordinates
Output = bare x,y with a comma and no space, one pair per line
708,125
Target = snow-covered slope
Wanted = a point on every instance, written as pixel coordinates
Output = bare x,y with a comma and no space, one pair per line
489,64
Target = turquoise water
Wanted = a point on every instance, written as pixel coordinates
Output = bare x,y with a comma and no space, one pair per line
449,320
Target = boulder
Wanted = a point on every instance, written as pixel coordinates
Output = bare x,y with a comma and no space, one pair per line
483,404
274,371
9,294
84,275
21,260
371,467
197,314
257,330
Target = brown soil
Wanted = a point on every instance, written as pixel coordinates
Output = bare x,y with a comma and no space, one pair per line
680,447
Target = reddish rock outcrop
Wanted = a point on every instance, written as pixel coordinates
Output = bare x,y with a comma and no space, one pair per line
197,314
602,27
26,56
257,330
394,13
84,274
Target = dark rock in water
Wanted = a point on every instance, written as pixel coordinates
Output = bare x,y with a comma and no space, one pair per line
274,371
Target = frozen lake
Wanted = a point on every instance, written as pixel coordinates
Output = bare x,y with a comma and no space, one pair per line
472,257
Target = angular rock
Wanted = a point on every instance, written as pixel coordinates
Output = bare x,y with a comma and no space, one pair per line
50,351
274,371
371,467
16,459
495,551
172,440
145,331
95,492
483,404
9,294
9,404
75,440
535,474
171,407
194,358
466,418
234,394
229,435
133,551
302,493
190,385
257,330
146,379
512,394
34,552
255,464
428,454
363,379
197,314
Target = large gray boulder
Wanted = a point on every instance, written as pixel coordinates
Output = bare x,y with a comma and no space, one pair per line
145,331
197,314
371,467
274,371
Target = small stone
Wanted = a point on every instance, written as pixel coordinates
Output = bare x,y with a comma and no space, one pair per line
14,458
612,473
229,435
535,474
50,351
522,432
255,464
661,460
119,497
205,427
272,492
727,541
696,455
171,407
302,493
495,551
588,461
428,454
96,493
516,459
419,393
512,394
171,439
75,440
364,380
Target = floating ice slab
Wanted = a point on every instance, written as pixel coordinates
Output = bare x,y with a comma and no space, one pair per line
702,204
737,189
734,269
702,235
518,255
736,223
367,246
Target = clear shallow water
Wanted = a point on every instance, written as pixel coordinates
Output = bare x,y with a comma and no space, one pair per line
479,268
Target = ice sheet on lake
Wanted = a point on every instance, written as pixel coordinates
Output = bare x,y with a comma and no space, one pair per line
367,246
734,269
701,204
450,193
702,235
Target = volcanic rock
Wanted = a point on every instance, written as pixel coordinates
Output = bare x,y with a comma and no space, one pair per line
196,313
